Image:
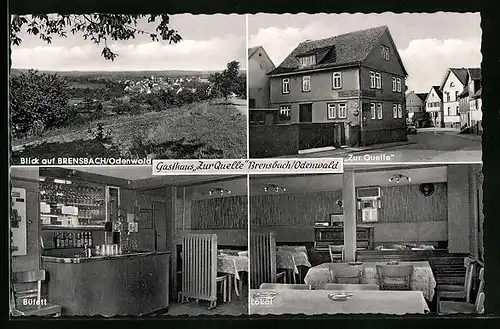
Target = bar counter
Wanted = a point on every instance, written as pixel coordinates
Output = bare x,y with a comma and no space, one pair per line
133,283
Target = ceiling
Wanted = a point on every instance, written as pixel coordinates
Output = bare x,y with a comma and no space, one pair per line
143,175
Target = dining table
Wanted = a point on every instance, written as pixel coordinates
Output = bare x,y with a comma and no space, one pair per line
291,257
311,302
232,262
422,280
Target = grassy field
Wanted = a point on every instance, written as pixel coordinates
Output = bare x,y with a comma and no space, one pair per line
208,129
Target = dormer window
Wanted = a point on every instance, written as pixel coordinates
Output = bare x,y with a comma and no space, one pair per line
307,60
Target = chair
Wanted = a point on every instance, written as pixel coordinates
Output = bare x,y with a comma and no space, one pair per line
282,286
460,292
395,277
349,274
336,253
36,305
222,280
350,287
451,307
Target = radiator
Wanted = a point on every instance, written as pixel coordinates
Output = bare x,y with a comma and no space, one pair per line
199,267
262,258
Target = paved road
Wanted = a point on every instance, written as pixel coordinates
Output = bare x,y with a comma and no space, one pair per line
428,145
241,105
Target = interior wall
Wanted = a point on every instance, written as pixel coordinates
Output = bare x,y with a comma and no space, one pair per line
458,209
406,214
27,178
225,215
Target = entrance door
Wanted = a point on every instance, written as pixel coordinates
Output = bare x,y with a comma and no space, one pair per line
305,112
269,120
160,225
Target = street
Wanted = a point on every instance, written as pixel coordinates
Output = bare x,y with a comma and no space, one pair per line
428,145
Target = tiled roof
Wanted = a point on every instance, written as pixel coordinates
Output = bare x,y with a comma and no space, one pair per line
438,91
422,96
461,74
349,49
475,73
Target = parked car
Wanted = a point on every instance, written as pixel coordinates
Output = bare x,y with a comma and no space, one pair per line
411,129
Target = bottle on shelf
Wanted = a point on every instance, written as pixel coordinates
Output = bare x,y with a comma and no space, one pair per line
90,239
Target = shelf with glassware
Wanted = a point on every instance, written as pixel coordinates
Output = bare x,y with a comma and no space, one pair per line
68,204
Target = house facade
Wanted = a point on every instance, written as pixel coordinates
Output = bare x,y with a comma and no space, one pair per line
453,85
415,105
259,64
434,106
470,112
355,81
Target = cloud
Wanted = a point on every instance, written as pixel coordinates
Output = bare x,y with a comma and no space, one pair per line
211,54
426,60
280,42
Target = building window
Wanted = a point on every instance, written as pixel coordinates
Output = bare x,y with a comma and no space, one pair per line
379,111
456,95
337,80
400,111
399,84
372,80
285,86
308,60
378,79
372,110
342,111
448,113
331,111
394,85
384,52
285,113
306,83
395,111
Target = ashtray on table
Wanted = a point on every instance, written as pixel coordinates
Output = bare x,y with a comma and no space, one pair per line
340,296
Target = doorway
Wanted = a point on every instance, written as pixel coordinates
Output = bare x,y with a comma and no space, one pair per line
160,225
305,112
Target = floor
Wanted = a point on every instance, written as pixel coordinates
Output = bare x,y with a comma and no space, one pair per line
237,306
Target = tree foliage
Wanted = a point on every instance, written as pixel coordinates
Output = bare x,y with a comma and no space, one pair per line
98,28
228,81
37,100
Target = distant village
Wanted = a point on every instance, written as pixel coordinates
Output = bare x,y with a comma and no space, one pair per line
157,84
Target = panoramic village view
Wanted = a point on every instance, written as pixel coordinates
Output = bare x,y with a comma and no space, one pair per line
365,84
176,93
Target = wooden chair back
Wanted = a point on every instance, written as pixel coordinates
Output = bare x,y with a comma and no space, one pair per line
336,253
262,258
469,264
347,274
23,279
480,289
284,286
350,287
395,277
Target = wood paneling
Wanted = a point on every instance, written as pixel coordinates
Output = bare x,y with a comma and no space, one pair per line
400,204
220,213
403,204
293,209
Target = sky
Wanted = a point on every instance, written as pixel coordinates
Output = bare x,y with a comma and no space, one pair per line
209,43
427,43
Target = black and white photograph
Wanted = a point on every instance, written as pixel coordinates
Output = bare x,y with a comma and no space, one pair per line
117,241
127,86
387,239
328,85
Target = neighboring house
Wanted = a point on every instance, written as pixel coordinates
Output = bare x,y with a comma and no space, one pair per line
470,115
453,85
415,105
259,64
354,81
434,106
